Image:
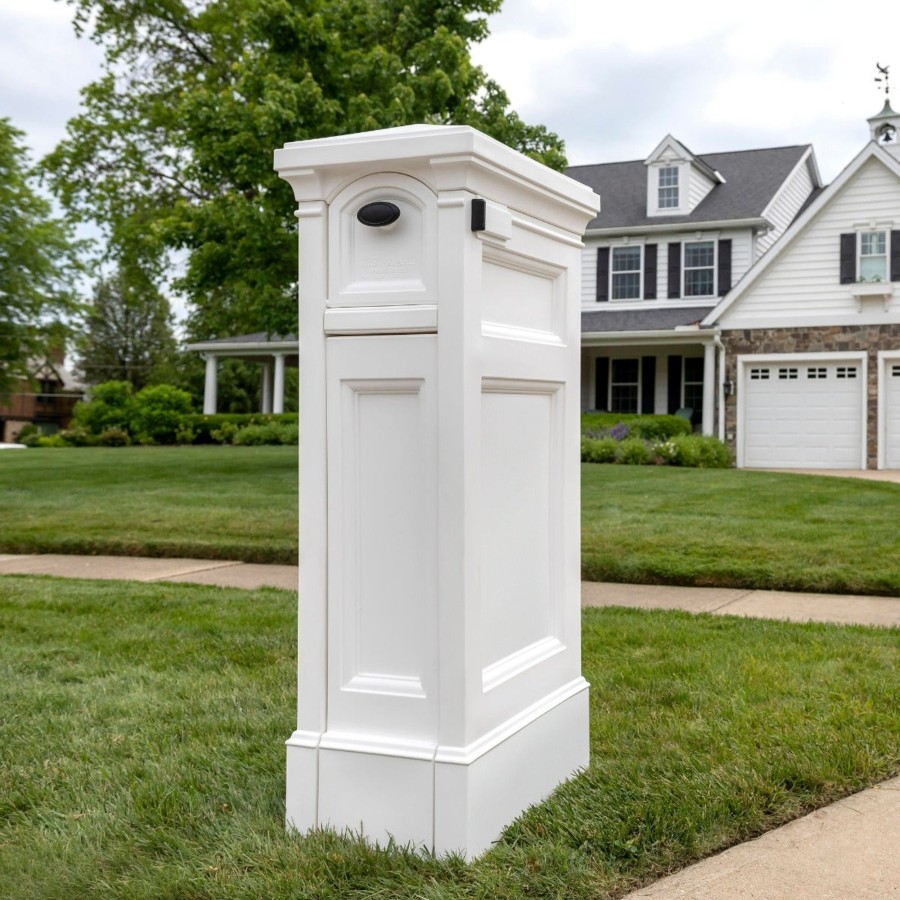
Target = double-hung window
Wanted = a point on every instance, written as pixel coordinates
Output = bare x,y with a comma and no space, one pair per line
700,269
626,273
668,187
624,385
873,256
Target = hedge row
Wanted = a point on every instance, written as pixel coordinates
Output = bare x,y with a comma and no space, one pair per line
115,416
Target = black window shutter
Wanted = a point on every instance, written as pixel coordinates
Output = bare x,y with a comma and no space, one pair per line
602,274
675,363
648,384
724,266
674,271
848,258
601,383
895,256
650,271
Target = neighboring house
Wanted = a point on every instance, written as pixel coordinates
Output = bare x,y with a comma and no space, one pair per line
676,231
46,399
812,334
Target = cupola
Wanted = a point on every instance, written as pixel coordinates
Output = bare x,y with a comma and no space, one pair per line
884,128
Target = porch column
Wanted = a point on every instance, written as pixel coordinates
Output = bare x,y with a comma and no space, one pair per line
266,392
278,394
709,387
210,387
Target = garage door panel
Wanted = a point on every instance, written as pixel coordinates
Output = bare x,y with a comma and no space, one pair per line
892,417
799,415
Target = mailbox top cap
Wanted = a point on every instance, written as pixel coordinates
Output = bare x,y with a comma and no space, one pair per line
407,145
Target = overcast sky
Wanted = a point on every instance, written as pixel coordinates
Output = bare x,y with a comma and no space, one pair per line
612,79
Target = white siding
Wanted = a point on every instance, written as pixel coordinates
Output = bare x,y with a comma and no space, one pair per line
741,257
589,274
699,188
785,205
803,284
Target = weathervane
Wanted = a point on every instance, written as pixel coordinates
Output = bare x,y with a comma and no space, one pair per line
885,78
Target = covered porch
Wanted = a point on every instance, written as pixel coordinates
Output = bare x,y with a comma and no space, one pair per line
657,372
273,353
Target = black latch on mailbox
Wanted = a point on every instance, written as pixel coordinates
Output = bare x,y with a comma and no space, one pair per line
378,213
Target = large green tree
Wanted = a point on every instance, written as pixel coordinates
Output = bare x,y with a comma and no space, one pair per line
127,333
38,261
173,148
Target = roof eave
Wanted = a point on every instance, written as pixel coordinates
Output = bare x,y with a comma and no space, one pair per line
658,336
260,349
759,222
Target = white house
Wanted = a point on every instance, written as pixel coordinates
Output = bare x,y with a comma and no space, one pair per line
676,231
812,334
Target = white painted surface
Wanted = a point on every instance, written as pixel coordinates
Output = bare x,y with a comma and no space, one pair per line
785,205
439,599
801,286
889,410
802,411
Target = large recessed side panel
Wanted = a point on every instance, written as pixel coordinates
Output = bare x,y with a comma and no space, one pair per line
382,536
521,526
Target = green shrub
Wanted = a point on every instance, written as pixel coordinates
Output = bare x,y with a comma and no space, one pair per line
110,405
649,427
114,437
700,451
76,436
271,433
225,434
30,435
206,427
633,452
599,450
160,412
50,440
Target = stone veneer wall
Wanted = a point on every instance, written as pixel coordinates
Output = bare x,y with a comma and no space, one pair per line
833,338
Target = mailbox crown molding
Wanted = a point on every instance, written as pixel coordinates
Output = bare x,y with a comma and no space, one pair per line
446,158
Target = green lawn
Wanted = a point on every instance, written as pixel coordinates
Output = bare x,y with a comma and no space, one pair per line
640,523
200,502
732,528
142,749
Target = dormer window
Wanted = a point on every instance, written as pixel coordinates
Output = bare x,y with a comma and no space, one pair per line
668,187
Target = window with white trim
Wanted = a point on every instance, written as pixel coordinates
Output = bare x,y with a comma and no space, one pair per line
759,374
668,187
700,269
817,373
625,273
787,374
624,385
846,371
873,256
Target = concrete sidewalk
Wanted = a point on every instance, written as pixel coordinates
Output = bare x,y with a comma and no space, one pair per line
847,851
130,568
842,609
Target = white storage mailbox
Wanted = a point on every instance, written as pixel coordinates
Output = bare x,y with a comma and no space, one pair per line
440,687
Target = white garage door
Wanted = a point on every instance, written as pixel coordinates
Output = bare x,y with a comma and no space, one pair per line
802,414
892,415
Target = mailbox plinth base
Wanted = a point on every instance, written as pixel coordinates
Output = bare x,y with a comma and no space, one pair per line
458,799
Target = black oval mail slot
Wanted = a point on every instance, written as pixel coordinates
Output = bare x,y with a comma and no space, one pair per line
378,213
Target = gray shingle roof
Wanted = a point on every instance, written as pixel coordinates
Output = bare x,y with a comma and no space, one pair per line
606,319
752,178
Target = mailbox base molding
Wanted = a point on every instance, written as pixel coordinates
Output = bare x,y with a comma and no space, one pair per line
443,799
